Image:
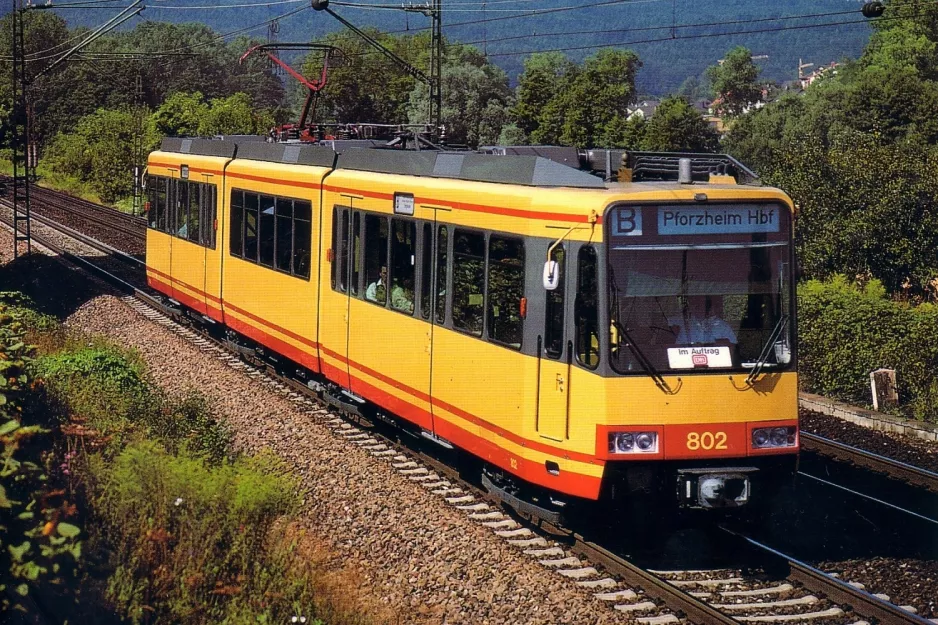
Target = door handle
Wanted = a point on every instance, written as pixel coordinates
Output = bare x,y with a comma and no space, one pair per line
429,342
559,383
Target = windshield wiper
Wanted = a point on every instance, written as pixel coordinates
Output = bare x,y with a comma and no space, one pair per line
760,363
640,356
642,359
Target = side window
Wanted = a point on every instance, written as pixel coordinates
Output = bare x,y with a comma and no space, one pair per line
468,280
207,218
284,239
236,236
553,325
506,290
586,308
152,201
266,231
442,240
426,267
356,252
342,252
162,204
376,259
194,227
212,215
302,237
250,226
180,228
335,245
403,257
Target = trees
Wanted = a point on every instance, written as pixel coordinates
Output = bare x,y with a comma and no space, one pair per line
857,154
735,81
100,151
180,115
544,75
366,86
585,106
476,98
234,115
677,127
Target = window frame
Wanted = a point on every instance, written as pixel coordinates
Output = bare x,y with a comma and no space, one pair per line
245,211
576,316
451,295
488,298
562,288
412,224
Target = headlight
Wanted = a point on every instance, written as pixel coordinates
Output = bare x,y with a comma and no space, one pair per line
645,441
633,442
767,438
760,437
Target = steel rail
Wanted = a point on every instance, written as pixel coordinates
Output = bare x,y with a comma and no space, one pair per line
693,609
863,603
911,474
78,236
105,215
87,264
125,226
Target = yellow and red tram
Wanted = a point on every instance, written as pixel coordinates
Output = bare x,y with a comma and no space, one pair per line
595,339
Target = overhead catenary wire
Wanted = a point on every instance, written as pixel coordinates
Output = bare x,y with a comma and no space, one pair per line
222,6
608,31
618,44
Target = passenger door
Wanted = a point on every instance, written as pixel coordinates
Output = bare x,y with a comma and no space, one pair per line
389,343
554,361
337,323
188,254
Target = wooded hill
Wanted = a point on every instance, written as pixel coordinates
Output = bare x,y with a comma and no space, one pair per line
667,62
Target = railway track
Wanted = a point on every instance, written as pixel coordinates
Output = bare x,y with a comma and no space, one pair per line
120,230
894,469
796,593
650,597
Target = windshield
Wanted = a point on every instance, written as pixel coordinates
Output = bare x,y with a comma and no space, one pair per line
700,287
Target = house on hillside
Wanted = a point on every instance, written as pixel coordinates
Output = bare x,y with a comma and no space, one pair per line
644,109
821,72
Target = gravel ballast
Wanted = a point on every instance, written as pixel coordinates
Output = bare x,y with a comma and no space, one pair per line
423,559
904,581
899,447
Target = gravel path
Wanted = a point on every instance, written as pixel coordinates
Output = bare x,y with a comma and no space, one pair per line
424,560
906,449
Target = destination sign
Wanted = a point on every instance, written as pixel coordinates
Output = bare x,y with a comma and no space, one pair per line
717,220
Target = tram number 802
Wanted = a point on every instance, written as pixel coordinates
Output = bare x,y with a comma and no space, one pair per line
706,440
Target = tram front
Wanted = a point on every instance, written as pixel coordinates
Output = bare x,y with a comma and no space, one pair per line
701,301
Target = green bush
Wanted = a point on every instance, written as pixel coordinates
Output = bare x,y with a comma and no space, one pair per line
107,386
99,384
189,540
39,549
847,331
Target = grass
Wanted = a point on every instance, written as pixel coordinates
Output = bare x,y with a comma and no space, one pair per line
50,179
176,526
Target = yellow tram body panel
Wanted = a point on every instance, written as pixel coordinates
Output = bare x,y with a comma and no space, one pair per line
274,307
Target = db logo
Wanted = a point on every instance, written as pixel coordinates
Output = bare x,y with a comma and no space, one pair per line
699,360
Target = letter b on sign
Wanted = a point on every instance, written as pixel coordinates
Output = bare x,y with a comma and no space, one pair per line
627,222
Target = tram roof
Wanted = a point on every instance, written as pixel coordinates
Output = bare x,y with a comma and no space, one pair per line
539,166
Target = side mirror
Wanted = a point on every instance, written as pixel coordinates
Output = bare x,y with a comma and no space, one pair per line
551,275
